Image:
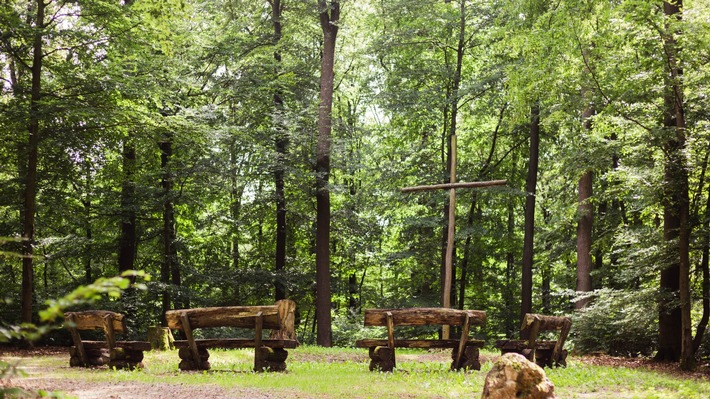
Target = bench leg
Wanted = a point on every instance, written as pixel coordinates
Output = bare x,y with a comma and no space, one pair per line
122,358
543,357
188,363
271,359
381,358
469,361
94,357
562,360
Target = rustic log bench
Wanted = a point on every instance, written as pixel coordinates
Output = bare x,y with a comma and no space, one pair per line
545,353
465,350
269,354
118,354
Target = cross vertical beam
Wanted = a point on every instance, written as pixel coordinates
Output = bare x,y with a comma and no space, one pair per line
448,260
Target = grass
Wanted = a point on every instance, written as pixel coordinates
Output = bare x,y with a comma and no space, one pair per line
315,372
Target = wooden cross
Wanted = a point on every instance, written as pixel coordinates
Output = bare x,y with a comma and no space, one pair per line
446,289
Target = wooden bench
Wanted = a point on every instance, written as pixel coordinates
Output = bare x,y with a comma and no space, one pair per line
269,354
465,352
118,354
545,353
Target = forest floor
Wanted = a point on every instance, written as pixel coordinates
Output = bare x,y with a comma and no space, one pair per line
338,373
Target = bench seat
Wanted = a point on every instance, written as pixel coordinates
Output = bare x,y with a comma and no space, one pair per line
237,343
132,345
517,344
419,343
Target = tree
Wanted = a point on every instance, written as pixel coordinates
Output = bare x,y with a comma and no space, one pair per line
530,188
281,142
675,343
30,177
329,18
585,211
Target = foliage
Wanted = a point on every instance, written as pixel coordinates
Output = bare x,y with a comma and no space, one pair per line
618,322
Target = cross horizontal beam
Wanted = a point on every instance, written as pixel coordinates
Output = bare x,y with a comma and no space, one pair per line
475,184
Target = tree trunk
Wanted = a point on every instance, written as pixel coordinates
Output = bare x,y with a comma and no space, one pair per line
585,210
279,168
467,254
530,188
127,244
447,277
584,237
30,192
705,268
675,330
329,18
169,263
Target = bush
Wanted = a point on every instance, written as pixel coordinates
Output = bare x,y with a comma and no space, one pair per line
618,322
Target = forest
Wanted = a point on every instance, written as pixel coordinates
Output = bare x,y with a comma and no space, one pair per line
245,151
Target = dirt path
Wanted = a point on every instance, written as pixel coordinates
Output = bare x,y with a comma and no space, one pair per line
39,377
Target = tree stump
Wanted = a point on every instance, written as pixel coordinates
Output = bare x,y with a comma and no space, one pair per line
161,338
381,359
470,360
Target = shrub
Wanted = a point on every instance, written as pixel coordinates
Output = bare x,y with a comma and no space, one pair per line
617,322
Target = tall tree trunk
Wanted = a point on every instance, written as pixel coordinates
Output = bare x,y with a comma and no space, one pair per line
128,241
585,211
235,208
510,269
88,275
584,237
447,294
329,18
530,188
279,168
705,269
30,192
675,330
169,263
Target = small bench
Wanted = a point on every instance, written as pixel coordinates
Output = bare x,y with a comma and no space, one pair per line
118,354
269,354
545,353
465,352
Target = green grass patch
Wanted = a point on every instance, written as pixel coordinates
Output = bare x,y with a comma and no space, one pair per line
315,372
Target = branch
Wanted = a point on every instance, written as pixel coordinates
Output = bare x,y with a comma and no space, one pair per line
608,100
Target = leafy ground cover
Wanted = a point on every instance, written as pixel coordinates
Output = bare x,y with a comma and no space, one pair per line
315,372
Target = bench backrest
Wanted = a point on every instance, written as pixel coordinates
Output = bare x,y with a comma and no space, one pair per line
95,320
424,317
538,322
279,316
